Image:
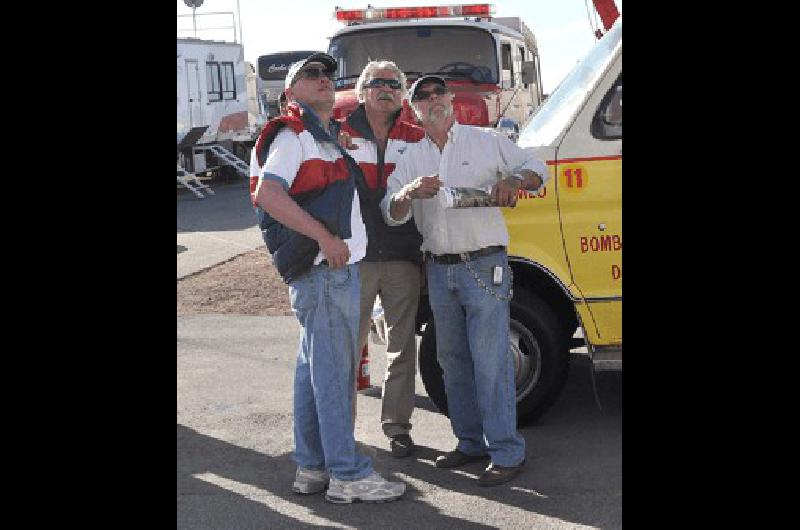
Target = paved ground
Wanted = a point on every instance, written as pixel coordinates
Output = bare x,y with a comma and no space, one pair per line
235,440
234,425
216,228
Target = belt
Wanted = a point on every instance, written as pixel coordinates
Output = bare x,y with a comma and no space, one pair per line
452,259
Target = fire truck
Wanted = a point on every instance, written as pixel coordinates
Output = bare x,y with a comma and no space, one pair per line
491,64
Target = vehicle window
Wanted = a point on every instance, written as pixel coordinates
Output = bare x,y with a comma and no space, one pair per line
212,82
220,82
228,82
607,122
560,108
453,52
508,64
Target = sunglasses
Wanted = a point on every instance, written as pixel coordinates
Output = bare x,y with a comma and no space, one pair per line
313,74
379,81
420,95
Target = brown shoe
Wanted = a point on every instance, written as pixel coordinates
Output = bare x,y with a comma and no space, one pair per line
457,458
495,475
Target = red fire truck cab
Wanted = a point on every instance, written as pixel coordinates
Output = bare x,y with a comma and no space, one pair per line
491,64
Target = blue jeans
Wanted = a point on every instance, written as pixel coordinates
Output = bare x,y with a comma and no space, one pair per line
472,345
326,302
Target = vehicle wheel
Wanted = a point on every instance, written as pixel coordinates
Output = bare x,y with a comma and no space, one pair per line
541,358
541,355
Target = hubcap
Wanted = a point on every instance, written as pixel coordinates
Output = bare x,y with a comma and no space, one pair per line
527,359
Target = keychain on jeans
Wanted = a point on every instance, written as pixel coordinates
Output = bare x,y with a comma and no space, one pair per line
497,279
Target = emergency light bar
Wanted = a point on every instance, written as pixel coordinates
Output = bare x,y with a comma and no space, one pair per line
401,13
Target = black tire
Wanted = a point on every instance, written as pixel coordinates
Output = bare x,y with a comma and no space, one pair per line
541,358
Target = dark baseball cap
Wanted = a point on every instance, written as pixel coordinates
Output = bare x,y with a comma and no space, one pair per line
326,60
422,80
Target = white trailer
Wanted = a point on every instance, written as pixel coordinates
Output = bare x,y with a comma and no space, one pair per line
212,111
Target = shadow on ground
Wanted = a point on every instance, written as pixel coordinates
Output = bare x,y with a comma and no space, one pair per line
420,402
216,478
573,474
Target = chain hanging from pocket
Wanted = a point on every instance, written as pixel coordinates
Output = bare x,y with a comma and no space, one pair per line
488,289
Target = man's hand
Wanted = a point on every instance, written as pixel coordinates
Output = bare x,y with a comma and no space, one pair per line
422,187
346,141
504,193
335,251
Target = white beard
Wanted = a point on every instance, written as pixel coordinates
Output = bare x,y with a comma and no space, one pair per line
438,113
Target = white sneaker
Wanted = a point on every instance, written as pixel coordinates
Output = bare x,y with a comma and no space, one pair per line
373,488
309,481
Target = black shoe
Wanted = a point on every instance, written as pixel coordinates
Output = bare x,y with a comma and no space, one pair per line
457,458
401,445
495,475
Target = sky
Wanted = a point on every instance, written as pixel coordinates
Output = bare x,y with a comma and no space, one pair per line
563,28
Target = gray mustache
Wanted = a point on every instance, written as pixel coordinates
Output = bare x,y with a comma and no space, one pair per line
386,97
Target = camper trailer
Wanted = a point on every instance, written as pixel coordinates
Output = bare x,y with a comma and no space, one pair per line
214,133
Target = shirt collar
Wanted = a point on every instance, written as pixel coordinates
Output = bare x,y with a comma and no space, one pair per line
358,121
452,134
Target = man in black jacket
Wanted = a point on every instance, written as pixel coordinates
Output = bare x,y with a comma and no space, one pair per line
391,268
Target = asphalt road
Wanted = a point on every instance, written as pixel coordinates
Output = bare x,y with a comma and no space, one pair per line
235,440
215,228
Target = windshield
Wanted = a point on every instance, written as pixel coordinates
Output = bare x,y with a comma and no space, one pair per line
558,111
447,50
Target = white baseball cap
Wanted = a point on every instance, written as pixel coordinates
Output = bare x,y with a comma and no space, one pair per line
323,58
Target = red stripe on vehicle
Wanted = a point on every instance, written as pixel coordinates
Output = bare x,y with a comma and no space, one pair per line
587,159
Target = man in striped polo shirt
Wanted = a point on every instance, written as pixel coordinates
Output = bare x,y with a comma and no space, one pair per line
303,187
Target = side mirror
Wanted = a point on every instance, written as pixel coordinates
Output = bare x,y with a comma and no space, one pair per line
509,128
528,72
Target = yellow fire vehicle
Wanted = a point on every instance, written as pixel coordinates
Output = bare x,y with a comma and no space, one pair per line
565,243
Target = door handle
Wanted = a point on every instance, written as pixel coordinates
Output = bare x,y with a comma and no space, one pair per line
601,226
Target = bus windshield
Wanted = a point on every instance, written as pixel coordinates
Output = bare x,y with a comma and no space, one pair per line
559,110
450,51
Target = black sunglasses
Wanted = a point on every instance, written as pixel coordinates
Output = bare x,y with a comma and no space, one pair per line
313,74
420,95
379,81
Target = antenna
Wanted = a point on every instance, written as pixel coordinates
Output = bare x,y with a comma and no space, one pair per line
194,4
